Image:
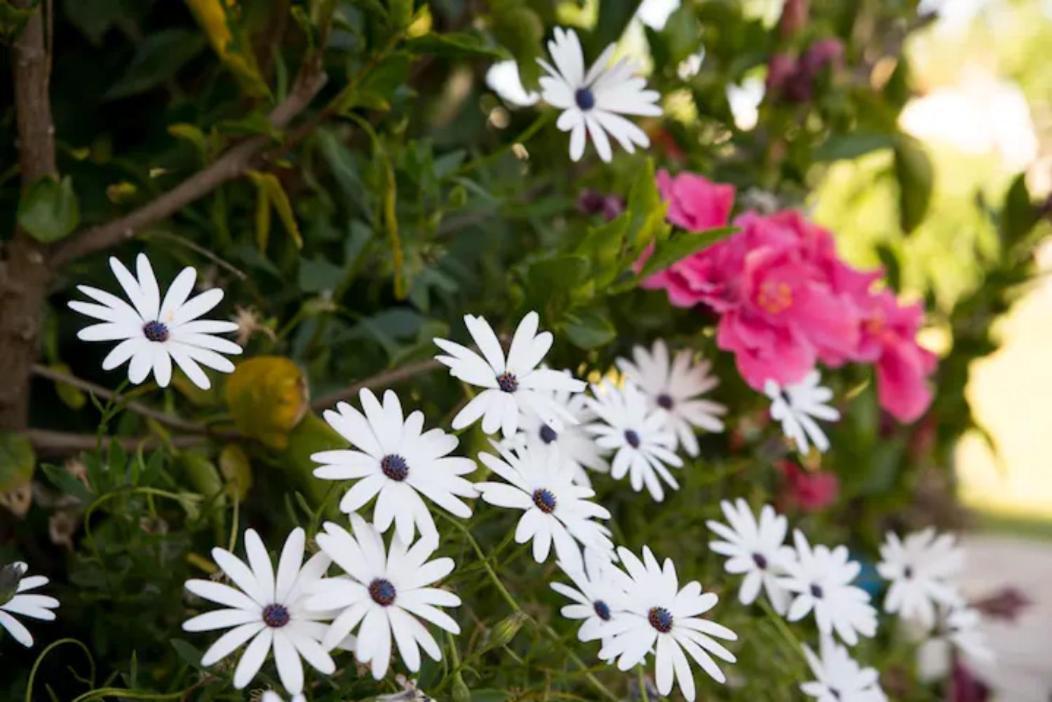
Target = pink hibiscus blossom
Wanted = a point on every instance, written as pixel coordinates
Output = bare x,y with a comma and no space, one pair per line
786,301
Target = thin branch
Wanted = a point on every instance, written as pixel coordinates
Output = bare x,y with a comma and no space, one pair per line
379,380
127,403
229,166
59,443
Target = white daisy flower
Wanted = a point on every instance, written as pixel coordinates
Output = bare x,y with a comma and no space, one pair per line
555,509
662,617
821,580
839,678
756,548
594,101
577,450
675,386
637,433
796,405
512,385
397,463
597,596
154,332
957,628
15,598
920,568
266,608
503,79
386,590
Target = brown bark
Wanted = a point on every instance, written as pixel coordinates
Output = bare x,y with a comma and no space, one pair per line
24,271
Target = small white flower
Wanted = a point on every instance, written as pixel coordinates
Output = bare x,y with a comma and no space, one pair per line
577,450
397,462
555,509
512,385
795,405
839,678
920,568
674,386
663,618
268,609
756,548
503,79
597,596
821,579
637,433
957,628
154,332
15,599
386,590
593,101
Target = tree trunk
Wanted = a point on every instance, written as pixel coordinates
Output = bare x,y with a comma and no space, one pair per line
24,270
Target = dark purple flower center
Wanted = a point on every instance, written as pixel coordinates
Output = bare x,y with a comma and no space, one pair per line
907,572
660,618
544,499
507,382
155,331
664,401
816,591
394,467
548,434
584,98
602,610
275,616
760,560
382,592
632,438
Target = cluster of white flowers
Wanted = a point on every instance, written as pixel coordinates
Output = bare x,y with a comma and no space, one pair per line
551,437
802,579
922,571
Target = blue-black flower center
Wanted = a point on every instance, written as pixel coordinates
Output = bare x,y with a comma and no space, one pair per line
660,618
155,331
584,98
507,382
907,572
382,592
275,616
632,438
548,434
664,401
816,591
602,610
760,560
544,499
394,467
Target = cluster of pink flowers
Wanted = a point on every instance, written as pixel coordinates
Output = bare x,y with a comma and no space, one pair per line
792,78
786,301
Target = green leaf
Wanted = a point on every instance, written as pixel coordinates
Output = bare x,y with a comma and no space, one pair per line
1018,215
454,45
378,87
66,482
187,652
17,461
853,145
680,246
49,210
158,57
519,29
12,20
916,181
610,25
273,194
400,12
589,329
645,213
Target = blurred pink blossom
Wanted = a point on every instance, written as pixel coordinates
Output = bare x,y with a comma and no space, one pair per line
810,491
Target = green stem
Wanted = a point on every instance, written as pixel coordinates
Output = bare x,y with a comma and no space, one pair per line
43,654
643,694
542,119
783,628
545,629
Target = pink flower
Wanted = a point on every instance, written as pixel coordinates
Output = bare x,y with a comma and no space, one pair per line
810,491
888,338
695,203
